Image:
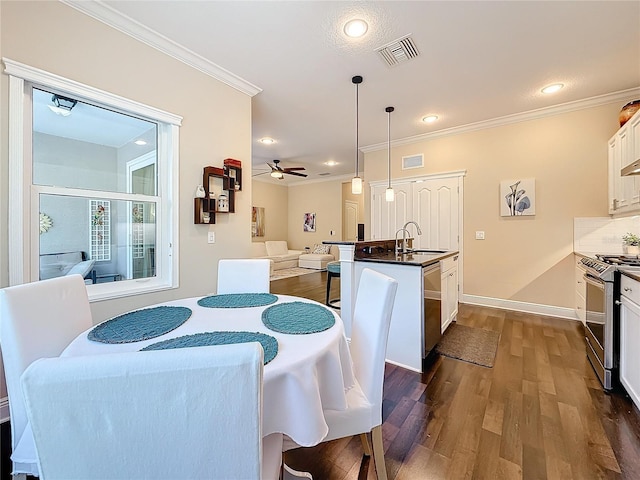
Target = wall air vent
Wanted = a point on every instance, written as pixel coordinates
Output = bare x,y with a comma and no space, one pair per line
398,51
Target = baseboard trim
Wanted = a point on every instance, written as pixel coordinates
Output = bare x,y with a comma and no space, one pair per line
525,307
402,365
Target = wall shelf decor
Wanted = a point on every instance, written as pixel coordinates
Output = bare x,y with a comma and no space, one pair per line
218,182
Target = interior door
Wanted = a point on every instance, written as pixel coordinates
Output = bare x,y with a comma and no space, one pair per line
388,217
436,209
350,216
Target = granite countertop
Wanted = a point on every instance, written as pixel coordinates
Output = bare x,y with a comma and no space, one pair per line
382,251
630,271
413,259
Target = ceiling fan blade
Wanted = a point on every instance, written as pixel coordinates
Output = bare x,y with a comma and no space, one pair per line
272,166
261,173
288,169
295,173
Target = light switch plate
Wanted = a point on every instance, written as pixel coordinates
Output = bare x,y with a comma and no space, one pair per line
479,235
211,237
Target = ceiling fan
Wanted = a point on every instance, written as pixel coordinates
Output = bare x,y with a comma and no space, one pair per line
278,172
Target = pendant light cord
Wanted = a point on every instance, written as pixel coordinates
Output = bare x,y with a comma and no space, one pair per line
357,129
357,80
389,110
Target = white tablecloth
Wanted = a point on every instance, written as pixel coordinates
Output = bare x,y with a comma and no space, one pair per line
310,373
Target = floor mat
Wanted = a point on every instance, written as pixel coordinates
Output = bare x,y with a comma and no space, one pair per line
473,345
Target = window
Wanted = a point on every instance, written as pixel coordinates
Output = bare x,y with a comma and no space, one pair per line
100,230
103,169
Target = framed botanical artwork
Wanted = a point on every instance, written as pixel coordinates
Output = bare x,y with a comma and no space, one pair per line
257,221
309,222
518,197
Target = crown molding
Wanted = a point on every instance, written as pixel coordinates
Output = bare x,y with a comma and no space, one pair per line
328,178
621,96
113,18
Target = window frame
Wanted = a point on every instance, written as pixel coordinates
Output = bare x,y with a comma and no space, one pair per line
24,195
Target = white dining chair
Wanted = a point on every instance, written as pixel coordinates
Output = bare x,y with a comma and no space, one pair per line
37,320
369,333
178,413
243,275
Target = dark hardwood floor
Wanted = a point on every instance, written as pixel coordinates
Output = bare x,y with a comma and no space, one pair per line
539,413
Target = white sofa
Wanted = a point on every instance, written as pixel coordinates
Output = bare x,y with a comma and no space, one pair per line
60,264
318,261
278,252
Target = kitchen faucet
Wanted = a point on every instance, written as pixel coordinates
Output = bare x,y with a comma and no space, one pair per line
404,231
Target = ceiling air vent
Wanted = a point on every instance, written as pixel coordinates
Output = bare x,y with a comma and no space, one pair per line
398,51
324,174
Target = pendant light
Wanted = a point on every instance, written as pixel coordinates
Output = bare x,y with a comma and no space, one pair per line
356,182
389,194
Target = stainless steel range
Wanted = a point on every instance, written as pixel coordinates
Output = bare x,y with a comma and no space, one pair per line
602,281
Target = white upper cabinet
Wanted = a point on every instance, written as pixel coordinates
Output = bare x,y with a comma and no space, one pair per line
624,149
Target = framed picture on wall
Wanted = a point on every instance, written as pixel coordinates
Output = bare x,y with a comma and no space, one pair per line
309,224
257,221
517,197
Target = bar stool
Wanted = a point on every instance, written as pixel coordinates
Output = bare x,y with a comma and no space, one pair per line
333,270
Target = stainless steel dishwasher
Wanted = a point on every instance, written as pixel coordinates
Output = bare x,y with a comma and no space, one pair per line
432,308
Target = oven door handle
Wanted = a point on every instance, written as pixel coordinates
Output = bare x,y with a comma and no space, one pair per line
594,281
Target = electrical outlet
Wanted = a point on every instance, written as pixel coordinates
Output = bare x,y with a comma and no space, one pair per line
211,237
479,235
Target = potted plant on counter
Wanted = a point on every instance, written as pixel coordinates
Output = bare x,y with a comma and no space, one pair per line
631,243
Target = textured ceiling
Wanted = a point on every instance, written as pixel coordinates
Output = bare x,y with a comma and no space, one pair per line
478,61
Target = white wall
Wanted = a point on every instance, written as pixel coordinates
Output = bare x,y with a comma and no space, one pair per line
523,260
216,125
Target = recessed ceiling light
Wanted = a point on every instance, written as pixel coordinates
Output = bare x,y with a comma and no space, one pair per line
140,142
430,118
355,28
552,88
331,163
267,140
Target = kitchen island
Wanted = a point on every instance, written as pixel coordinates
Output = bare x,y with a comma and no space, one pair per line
426,280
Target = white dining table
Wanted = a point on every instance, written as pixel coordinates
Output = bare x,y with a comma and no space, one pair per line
310,373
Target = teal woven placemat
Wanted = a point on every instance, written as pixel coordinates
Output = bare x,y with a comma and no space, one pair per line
269,343
140,325
298,318
238,300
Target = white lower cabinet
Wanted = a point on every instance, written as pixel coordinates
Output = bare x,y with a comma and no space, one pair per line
581,294
630,338
449,285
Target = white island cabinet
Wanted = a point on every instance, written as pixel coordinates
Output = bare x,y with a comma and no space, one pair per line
426,301
630,337
449,268
405,342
